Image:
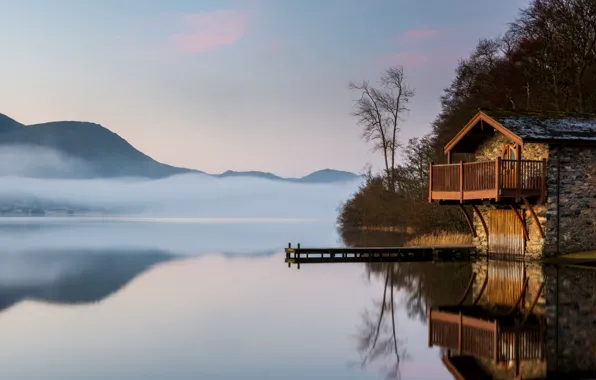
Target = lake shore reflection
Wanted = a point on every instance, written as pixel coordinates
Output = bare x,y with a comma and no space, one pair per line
138,313
191,317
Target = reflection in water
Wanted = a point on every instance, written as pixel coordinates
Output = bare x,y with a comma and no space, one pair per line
71,277
376,339
520,320
492,333
147,314
418,285
491,319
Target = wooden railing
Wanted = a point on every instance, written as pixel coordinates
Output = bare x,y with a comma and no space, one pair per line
487,180
530,344
482,338
466,335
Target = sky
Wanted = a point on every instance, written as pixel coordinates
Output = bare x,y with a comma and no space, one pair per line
234,85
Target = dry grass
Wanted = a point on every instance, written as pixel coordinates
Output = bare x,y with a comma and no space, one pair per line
441,238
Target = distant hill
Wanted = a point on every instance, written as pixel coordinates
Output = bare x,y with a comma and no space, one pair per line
256,174
92,151
329,175
321,176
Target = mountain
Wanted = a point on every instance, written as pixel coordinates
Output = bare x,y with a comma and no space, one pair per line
89,150
329,175
98,151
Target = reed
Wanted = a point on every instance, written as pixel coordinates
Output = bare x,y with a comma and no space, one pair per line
440,238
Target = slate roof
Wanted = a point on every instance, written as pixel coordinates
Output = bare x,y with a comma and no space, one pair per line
542,126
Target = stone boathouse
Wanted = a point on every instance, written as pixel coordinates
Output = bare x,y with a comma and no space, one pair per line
525,181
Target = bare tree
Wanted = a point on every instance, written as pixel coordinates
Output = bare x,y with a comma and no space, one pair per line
379,112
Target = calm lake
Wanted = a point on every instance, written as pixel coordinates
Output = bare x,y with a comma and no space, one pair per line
92,298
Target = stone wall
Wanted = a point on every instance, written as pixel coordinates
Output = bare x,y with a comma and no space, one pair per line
577,203
570,319
492,148
576,226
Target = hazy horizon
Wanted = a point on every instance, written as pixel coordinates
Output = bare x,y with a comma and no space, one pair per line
234,85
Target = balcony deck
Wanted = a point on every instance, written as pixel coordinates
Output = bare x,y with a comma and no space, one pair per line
493,338
493,181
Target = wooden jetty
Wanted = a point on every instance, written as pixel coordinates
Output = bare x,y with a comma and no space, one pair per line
300,255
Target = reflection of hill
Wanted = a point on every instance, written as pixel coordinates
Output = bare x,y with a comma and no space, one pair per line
71,277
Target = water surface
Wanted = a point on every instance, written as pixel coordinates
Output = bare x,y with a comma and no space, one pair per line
211,299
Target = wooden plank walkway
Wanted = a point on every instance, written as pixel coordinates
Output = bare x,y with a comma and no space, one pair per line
300,255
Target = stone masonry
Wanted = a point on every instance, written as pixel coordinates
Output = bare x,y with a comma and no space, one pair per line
577,200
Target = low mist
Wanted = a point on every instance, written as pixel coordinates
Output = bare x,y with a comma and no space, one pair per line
40,162
22,172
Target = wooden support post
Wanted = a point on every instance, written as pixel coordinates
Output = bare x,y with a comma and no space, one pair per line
468,219
430,325
518,176
481,290
460,333
461,182
498,179
430,183
534,216
468,288
520,297
543,189
449,157
288,254
481,220
533,304
496,340
521,220
516,349
542,338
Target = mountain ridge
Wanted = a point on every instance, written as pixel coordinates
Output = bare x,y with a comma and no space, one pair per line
105,154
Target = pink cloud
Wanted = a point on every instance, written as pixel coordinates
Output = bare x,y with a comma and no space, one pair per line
410,60
419,34
208,30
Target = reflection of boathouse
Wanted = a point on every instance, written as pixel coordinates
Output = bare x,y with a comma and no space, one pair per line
497,329
520,320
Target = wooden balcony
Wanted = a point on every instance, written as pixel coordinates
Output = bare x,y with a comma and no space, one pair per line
496,339
495,181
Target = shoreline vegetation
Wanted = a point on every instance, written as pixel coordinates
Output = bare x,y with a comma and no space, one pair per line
545,61
440,239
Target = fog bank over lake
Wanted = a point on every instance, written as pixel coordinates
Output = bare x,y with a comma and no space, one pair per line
189,195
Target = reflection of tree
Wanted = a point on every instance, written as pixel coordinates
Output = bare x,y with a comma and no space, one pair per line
376,339
420,284
423,283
